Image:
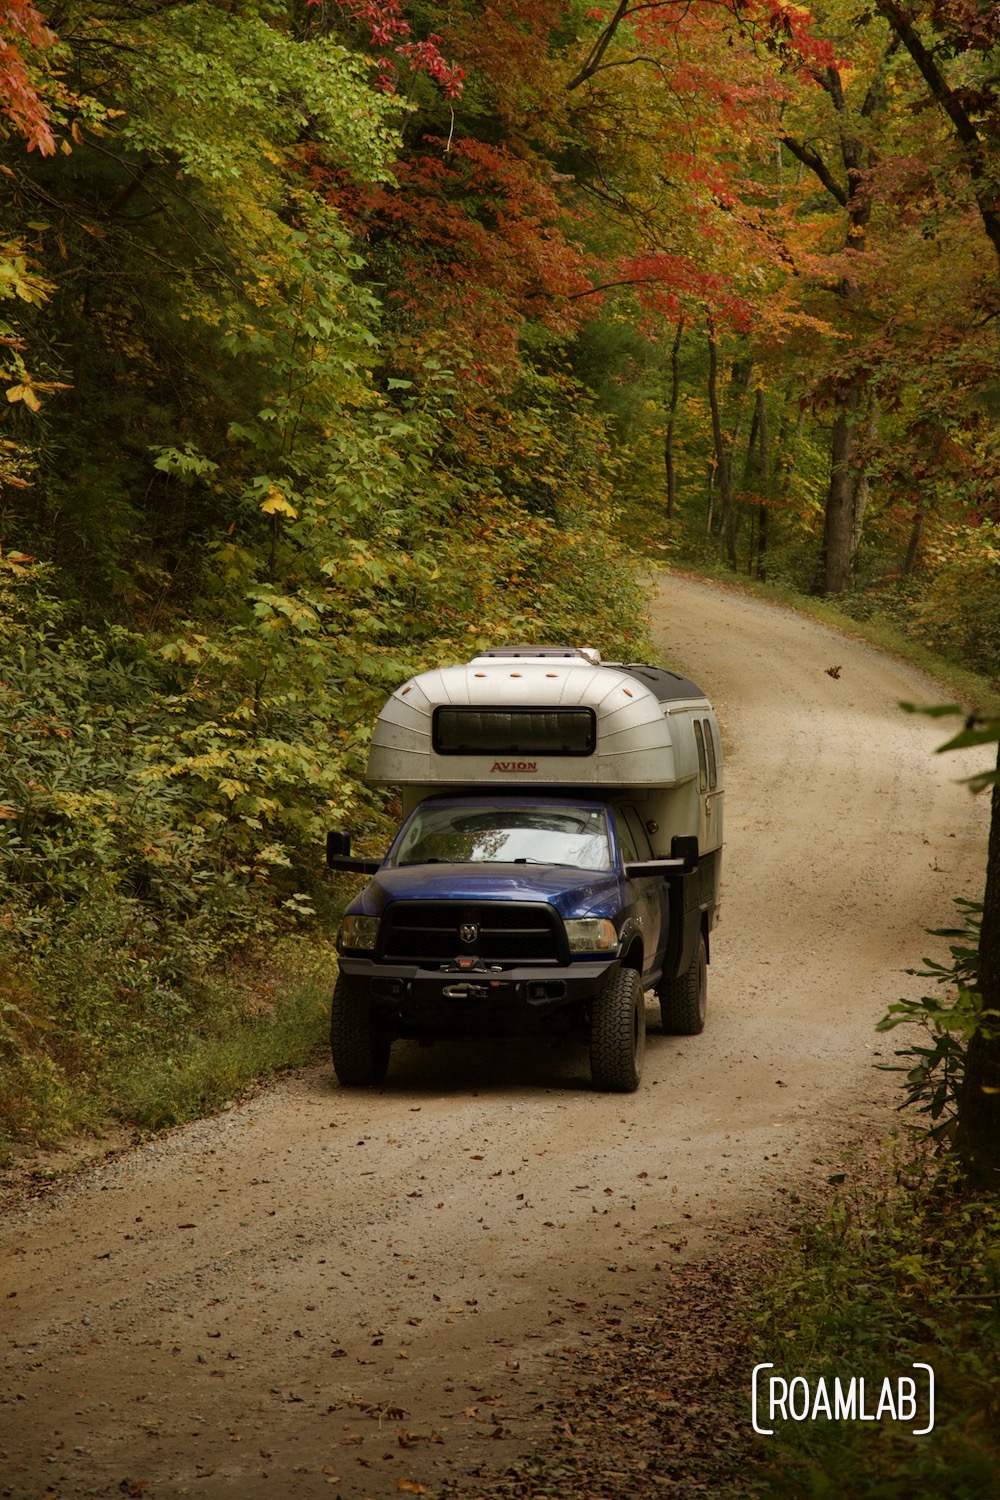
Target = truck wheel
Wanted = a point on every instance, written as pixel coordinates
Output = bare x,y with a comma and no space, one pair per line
683,1000
359,1045
618,1033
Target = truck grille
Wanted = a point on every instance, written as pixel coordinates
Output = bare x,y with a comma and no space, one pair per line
430,932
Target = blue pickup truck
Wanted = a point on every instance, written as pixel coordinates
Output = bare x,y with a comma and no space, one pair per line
559,857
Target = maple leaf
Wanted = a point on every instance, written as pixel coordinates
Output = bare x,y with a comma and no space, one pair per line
21,27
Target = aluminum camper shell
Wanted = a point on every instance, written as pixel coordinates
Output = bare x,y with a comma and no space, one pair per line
644,739
508,730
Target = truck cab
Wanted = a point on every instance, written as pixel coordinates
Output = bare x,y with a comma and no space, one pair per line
559,857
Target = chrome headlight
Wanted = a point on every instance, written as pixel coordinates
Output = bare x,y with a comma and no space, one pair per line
358,932
591,935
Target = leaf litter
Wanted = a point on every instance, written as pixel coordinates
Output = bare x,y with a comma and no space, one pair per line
655,1401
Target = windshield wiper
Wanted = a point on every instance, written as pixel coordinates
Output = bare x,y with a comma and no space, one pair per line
555,864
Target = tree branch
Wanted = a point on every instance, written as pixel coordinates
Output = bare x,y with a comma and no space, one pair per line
606,286
948,101
815,163
599,48
943,94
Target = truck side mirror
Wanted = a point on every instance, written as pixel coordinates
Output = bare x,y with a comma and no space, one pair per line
337,842
339,857
685,846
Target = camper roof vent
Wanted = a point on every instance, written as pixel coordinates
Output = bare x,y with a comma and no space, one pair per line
507,653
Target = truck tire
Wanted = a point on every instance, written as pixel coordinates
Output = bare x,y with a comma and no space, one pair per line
683,1001
618,1033
359,1045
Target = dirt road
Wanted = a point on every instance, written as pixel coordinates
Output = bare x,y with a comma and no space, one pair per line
355,1293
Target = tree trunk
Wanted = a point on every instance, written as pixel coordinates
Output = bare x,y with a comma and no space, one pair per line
668,442
850,488
765,481
978,1138
916,533
848,494
750,461
721,457
862,484
731,518
749,484
838,525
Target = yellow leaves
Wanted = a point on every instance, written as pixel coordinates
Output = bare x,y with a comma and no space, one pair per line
231,788
25,393
192,650
275,504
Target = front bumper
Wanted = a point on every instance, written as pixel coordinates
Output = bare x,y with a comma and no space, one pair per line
448,1002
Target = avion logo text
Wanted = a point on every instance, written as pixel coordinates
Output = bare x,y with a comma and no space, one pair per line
514,765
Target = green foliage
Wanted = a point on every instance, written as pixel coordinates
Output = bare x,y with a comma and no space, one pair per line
958,611
884,1278
187,267
267,1011
123,901
223,96
166,790
935,1067
275,1018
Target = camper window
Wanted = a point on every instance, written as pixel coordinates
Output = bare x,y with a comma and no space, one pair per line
713,774
518,731
702,768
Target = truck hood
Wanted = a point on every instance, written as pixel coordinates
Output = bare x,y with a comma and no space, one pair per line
573,892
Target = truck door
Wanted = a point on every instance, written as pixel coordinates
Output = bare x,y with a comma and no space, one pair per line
650,892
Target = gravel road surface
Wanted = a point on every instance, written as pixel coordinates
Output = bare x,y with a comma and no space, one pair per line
358,1293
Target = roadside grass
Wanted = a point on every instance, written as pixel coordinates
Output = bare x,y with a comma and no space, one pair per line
250,1021
903,1266
207,1072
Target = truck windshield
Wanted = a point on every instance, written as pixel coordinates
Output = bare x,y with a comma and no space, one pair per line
507,834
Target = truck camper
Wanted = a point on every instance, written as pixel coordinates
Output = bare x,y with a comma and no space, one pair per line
559,856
